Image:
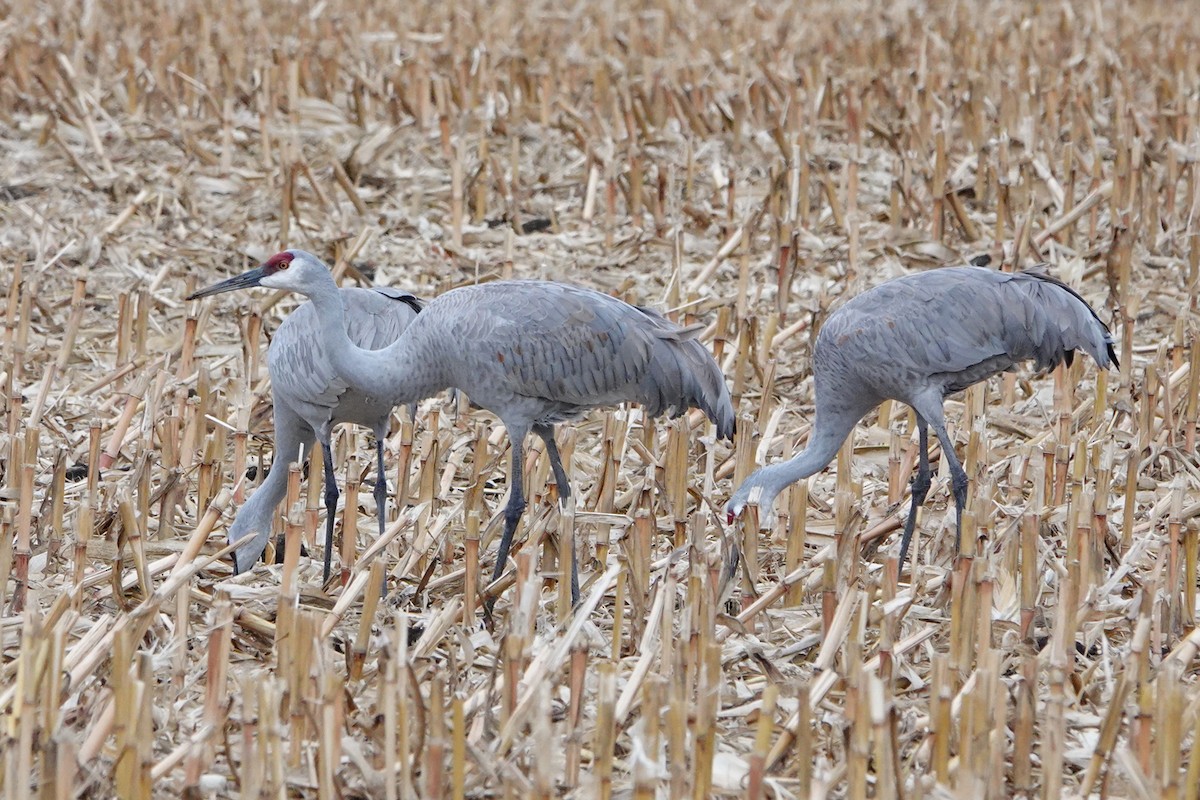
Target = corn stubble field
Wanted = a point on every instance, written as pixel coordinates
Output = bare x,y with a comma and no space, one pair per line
744,167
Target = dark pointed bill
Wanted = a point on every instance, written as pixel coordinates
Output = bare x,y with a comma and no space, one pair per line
244,281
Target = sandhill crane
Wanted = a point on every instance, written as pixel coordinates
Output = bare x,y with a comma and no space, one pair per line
534,353
309,398
917,339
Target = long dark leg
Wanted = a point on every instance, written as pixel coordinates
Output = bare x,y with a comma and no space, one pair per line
958,479
381,490
932,411
920,487
516,497
546,432
331,498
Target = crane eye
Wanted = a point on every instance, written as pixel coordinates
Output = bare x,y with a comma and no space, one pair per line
283,265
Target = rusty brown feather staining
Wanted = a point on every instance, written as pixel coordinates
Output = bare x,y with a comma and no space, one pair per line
845,337
500,357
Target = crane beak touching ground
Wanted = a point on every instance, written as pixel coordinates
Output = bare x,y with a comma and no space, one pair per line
244,281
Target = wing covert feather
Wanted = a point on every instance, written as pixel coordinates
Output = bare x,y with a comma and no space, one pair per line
573,348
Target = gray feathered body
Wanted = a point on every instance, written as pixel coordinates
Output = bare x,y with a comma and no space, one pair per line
539,353
919,338
948,329
303,375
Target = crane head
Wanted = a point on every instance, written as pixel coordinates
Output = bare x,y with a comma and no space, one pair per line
752,491
291,269
734,509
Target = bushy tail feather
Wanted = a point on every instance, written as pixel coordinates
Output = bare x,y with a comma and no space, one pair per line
685,375
712,396
1079,326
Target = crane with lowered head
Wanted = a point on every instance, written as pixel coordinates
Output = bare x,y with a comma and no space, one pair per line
917,339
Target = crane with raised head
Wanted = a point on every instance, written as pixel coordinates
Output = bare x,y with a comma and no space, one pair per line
917,339
309,398
534,353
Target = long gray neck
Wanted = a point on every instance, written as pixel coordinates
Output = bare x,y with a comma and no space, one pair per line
255,516
830,428
829,431
398,373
